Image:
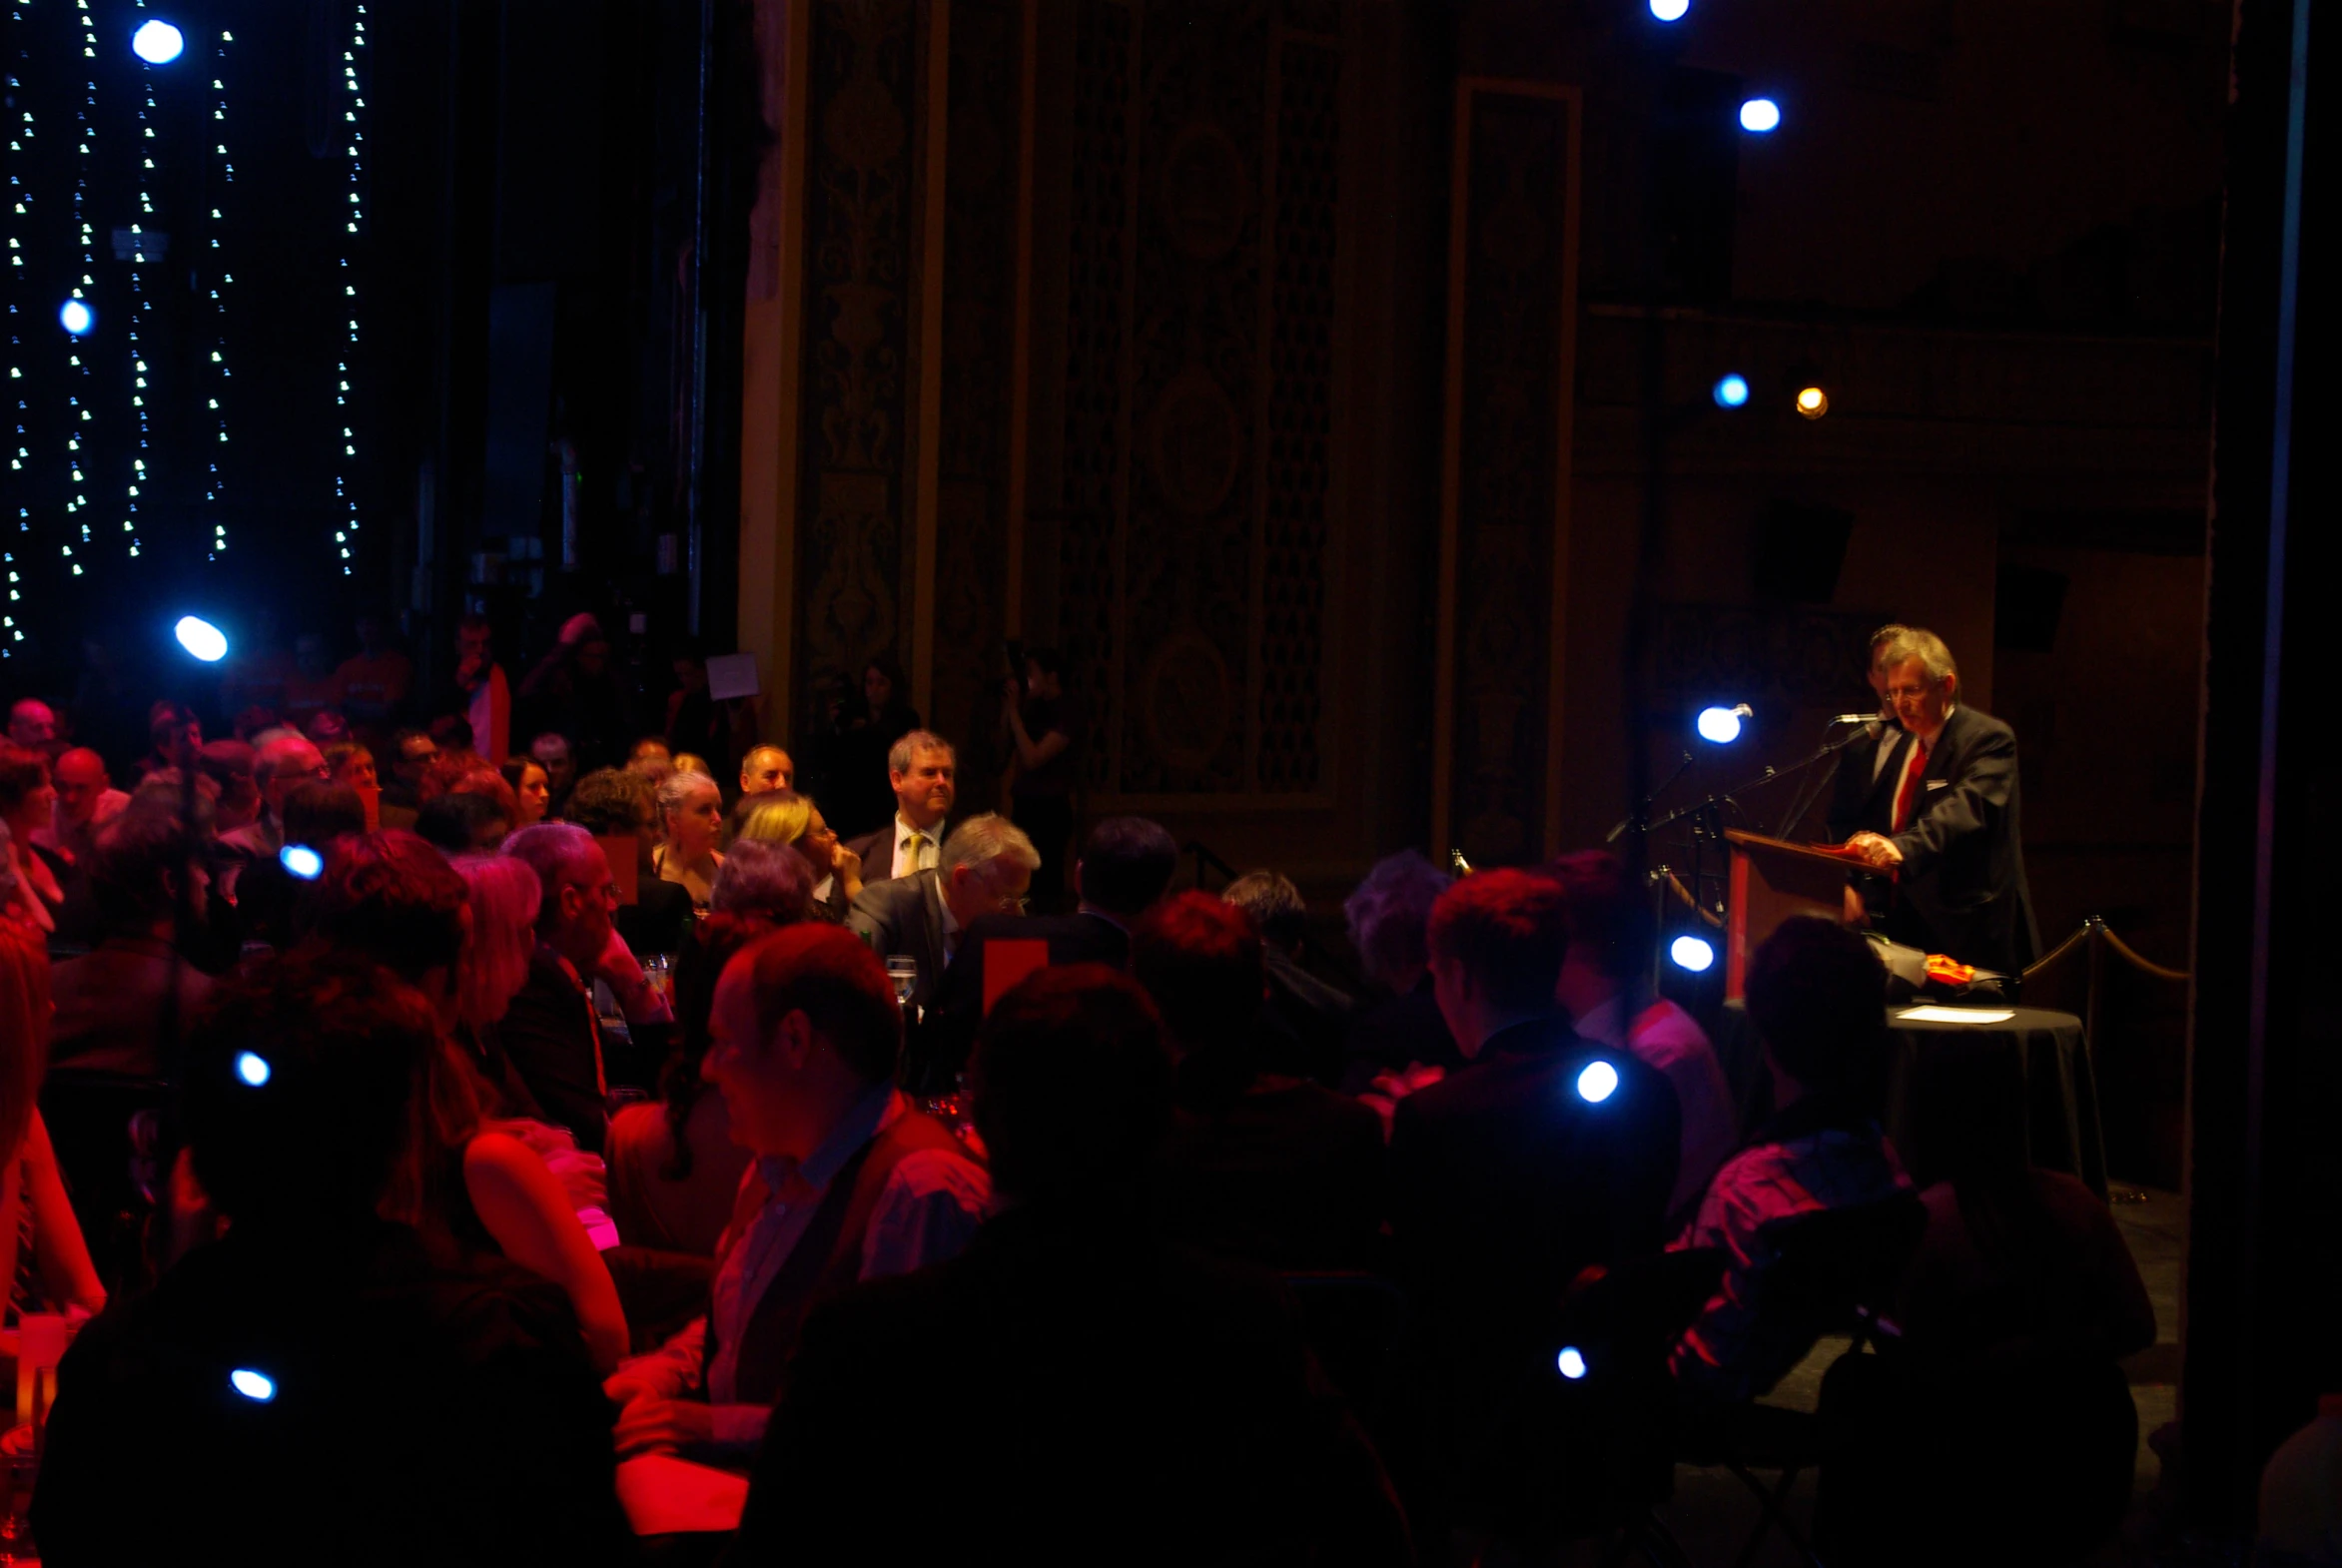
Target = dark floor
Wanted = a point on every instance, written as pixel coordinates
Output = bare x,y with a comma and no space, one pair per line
1712,1513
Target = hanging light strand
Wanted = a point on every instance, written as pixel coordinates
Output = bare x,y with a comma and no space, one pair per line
217,373
354,147
21,136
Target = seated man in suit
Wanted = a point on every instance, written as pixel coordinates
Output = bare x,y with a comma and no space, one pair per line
1125,865
1954,843
551,1032
1547,1154
987,864
851,1183
1862,784
1261,1164
1116,1399
1314,1014
921,767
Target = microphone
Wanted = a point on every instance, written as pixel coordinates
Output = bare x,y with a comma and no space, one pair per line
1845,719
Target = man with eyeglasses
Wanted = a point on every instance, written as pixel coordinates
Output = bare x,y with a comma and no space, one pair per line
1954,846
282,766
551,1032
984,868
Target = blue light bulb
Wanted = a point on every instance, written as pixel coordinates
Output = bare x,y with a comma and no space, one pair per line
1597,1082
302,861
76,317
1570,1363
251,1067
1718,726
1692,953
1732,391
1760,116
201,638
156,43
259,1387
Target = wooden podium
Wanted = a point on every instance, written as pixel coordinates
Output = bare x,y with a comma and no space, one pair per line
1774,880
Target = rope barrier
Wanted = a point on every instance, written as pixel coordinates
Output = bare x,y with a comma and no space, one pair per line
1681,893
2094,926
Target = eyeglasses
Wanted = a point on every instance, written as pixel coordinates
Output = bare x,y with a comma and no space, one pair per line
1015,904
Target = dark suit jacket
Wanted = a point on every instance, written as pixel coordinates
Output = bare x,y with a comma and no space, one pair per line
1283,1172
1962,889
1315,1016
1505,1184
1862,793
941,1048
1392,1034
877,849
549,1036
111,1003
659,921
904,915
1118,1401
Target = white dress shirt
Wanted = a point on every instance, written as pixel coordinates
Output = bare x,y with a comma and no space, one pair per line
908,861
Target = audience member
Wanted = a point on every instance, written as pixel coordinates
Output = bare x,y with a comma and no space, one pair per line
552,752
503,894
274,897
615,803
1817,999
279,768
1043,726
327,728
920,767
1313,1015
1545,1156
574,692
1135,1400
42,1256
766,768
771,880
405,1404
394,899
124,1008
983,869
651,757
697,724
1401,1043
691,820
175,735
229,765
531,787
462,822
352,764
1126,865
1260,1165
1604,989
51,891
376,681
32,725
454,737
552,1031
674,1168
86,801
785,817
2002,1416
483,696
873,719
851,1183
413,752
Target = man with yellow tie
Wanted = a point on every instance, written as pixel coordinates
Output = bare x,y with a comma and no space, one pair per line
1953,845
922,768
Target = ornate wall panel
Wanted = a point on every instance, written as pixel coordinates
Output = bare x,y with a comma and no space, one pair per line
859,379
1198,394
1511,288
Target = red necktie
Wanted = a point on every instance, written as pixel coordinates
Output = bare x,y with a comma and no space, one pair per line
1909,794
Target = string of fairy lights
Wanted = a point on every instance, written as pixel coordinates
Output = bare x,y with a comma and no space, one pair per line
99,437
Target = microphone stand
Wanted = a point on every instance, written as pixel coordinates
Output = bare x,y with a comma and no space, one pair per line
1708,813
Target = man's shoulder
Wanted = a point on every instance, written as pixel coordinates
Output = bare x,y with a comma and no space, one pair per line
1972,727
866,847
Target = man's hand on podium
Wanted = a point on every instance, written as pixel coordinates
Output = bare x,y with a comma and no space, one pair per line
1878,852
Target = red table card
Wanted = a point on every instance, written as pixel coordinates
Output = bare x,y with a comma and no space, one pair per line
1008,960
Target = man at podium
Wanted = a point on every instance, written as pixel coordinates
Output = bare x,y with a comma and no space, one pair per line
1953,839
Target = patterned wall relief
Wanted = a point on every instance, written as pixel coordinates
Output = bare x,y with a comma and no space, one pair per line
852,562
979,300
1197,393
1510,388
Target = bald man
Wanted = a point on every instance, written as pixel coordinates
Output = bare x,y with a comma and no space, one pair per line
32,724
86,802
766,768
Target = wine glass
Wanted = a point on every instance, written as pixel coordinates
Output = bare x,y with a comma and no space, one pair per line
902,970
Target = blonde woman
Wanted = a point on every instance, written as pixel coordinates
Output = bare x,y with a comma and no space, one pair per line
786,817
691,822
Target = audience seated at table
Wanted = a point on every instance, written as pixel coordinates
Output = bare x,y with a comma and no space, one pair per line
1258,1166
851,1183
1545,1154
785,817
691,821
1400,1042
983,869
1817,998
618,803
319,1384
471,1184
1112,1399
1605,991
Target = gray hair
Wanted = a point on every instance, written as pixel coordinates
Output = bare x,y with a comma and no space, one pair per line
1918,642
676,788
899,758
1390,911
981,841
551,850
1279,911
761,878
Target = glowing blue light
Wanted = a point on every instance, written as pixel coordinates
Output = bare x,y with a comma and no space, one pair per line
156,43
1572,1365
1670,10
1760,115
251,1067
77,318
201,638
257,1386
1597,1082
1692,953
1732,391
302,861
1720,726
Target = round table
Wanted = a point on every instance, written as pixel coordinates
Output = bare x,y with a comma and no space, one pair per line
2058,1109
